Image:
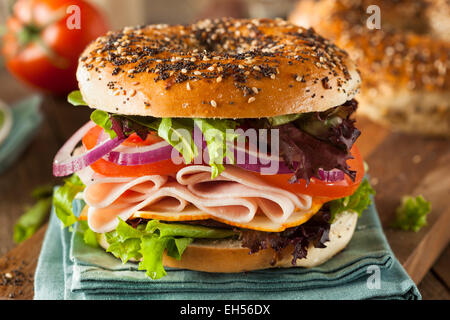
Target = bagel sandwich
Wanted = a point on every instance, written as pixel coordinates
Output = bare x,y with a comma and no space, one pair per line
222,146
404,63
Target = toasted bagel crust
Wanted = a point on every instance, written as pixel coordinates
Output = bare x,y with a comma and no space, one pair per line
228,256
223,68
404,65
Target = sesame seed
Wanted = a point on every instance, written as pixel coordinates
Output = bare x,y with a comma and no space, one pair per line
272,76
183,71
251,99
255,90
188,86
218,79
213,103
132,93
197,73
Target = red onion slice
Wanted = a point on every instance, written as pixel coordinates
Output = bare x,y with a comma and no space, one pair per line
65,164
134,156
331,176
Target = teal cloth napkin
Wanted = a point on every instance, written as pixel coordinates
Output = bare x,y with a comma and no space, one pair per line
69,269
26,120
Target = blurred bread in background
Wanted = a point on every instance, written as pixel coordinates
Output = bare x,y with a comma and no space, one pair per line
218,8
135,12
404,64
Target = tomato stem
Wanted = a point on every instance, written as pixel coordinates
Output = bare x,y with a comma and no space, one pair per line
32,33
27,34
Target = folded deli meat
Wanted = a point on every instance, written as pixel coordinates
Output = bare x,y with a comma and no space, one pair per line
221,146
236,197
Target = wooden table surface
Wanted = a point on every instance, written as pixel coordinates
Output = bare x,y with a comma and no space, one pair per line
417,251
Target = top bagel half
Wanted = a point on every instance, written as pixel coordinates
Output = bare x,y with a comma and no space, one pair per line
224,68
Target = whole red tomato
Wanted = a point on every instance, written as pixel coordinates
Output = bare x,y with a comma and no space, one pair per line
44,39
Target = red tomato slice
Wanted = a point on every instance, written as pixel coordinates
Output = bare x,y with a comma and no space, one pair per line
135,141
91,137
316,187
109,169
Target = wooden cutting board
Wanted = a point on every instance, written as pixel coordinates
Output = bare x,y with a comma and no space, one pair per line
399,165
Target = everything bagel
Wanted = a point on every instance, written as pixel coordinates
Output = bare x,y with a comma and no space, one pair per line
163,87
222,68
404,64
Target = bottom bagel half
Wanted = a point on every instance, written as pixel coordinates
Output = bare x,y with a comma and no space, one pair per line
229,256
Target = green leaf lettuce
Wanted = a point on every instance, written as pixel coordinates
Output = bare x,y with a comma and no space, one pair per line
357,202
148,243
34,216
178,133
102,119
89,236
31,220
63,198
411,215
216,136
75,98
